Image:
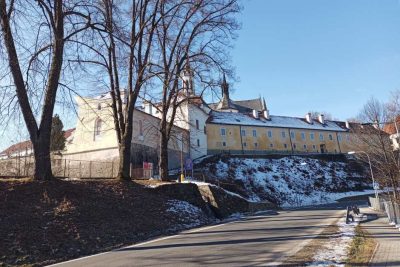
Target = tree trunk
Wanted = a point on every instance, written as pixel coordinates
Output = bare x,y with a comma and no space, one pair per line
163,163
42,159
124,160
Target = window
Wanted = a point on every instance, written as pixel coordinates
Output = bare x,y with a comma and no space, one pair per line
339,136
245,144
271,145
303,136
283,134
254,133
255,145
348,137
140,128
243,133
313,146
330,137
99,106
270,134
97,127
223,132
198,142
311,136
205,130
223,143
294,146
321,137
285,145
197,125
305,146
292,135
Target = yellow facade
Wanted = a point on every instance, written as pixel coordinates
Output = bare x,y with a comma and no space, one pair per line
241,139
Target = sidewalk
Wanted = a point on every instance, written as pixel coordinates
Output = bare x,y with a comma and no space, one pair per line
387,237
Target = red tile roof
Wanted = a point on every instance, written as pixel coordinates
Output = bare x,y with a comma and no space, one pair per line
27,145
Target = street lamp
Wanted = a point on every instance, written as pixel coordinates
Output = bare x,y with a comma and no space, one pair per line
370,168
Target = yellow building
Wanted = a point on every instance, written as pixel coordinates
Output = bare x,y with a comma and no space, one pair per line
246,127
95,137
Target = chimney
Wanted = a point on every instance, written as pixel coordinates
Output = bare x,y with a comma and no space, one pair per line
347,125
255,114
308,118
148,108
266,114
321,118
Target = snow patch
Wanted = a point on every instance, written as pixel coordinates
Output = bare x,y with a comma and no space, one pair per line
334,253
289,181
186,214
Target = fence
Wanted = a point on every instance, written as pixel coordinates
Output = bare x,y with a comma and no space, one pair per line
68,168
391,209
63,168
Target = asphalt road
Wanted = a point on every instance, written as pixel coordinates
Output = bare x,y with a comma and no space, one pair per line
264,240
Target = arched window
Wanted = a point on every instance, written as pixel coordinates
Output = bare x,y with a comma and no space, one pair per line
97,128
140,128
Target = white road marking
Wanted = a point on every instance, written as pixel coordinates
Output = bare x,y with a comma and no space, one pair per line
156,240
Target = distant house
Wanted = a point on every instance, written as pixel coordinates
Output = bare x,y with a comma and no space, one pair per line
25,148
393,129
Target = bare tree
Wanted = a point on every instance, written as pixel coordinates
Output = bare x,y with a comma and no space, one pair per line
372,139
34,35
120,49
192,41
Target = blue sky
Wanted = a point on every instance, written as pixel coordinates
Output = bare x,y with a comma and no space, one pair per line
302,55
319,55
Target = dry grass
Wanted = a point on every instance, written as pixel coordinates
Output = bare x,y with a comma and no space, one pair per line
305,256
361,248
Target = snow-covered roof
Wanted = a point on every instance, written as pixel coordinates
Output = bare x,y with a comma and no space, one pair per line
232,118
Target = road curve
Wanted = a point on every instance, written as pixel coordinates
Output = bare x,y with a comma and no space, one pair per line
264,240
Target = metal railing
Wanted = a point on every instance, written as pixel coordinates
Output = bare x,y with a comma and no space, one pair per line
389,208
62,168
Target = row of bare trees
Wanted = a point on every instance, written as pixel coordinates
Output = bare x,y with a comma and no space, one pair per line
135,48
379,120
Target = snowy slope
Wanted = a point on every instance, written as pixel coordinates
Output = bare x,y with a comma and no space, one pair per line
288,181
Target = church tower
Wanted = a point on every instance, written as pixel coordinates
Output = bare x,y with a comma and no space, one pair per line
187,79
226,103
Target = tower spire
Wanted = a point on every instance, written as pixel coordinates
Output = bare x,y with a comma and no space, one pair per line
225,102
187,78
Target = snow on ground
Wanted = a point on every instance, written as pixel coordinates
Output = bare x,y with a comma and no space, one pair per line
188,215
334,253
290,181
